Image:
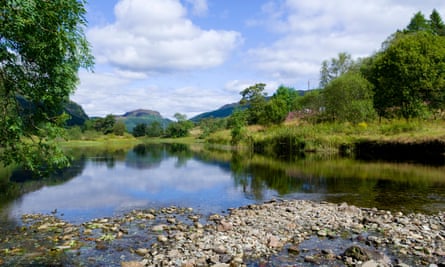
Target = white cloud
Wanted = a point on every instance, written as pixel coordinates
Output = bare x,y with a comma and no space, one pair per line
105,93
312,31
200,7
156,36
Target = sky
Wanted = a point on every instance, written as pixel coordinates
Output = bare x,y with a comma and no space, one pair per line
194,56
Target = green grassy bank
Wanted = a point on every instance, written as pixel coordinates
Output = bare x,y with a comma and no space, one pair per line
334,137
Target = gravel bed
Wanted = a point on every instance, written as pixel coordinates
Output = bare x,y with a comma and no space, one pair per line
276,233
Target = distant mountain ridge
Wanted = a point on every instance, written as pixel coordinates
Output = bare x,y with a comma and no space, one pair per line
222,112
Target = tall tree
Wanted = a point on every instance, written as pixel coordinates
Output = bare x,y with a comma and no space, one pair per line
418,23
335,68
255,97
436,23
42,46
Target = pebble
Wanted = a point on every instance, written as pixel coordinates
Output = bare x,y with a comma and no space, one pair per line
257,231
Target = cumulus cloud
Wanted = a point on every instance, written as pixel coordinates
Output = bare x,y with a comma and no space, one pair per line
312,31
199,7
107,93
156,36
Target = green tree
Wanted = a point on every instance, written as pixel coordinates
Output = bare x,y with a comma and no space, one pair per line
349,98
255,97
436,23
180,128
211,125
119,128
42,46
408,76
418,23
335,68
237,123
312,101
283,101
104,125
154,129
140,130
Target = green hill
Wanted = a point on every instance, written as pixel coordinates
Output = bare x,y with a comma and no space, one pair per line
74,110
222,112
139,116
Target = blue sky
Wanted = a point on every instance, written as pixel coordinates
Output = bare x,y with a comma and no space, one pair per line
193,56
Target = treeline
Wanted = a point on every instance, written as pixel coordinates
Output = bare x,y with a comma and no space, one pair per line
94,128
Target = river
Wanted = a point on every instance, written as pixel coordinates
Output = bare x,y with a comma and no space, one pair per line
109,182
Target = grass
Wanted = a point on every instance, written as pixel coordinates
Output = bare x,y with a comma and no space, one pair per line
321,137
327,137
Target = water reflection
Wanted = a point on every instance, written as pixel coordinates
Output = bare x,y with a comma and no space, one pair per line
103,183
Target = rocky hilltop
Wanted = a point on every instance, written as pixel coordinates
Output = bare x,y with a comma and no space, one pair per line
142,112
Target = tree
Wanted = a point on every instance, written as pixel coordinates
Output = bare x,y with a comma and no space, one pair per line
335,68
255,97
105,125
211,125
349,98
238,122
408,76
42,46
418,23
140,130
312,101
436,23
154,129
180,128
283,101
119,128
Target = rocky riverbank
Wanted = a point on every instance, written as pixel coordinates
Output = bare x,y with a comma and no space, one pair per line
277,233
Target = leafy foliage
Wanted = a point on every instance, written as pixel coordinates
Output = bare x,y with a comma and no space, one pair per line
238,122
140,130
349,98
335,68
42,46
280,104
119,128
409,74
211,125
104,125
255,97
180,128
436,23
418,23
155,129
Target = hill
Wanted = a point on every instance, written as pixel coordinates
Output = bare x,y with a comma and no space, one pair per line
139,116
227,110
74,110
222,112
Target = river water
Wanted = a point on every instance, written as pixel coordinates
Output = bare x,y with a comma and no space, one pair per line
108,182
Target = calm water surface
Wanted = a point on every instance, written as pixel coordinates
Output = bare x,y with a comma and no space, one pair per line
104,183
